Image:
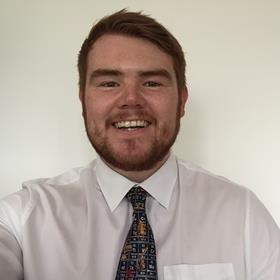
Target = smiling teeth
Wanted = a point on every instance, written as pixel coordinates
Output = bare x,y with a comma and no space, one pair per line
131,124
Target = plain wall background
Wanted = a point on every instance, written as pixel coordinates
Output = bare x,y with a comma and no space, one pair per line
232,121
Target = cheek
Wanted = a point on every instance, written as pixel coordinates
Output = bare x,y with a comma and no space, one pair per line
167,110
167,117
97,119
98,106
93,111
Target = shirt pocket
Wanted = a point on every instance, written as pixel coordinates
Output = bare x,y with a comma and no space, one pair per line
215,271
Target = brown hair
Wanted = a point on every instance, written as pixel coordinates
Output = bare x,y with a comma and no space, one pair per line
134,24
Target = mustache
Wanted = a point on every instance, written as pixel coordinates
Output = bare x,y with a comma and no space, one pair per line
123,116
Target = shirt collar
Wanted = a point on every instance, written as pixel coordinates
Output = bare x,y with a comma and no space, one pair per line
115,186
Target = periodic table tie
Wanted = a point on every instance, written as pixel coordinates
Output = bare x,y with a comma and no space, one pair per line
138,256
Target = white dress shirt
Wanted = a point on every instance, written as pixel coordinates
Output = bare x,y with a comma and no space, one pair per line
73,226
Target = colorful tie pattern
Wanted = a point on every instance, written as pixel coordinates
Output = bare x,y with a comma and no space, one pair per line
138,257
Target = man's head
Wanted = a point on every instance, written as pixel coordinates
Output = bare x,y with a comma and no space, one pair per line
135,25
132,95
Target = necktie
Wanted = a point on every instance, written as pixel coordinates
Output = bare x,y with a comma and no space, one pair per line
138,257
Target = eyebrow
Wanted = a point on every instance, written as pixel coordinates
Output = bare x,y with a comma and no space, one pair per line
104,72
114,72
156,72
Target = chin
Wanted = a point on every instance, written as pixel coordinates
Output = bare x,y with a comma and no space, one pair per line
139,160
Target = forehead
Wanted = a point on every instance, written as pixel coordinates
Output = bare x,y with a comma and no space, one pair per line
127,53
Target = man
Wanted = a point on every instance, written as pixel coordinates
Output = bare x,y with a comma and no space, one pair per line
137,212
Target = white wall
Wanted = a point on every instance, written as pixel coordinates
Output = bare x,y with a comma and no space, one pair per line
232,121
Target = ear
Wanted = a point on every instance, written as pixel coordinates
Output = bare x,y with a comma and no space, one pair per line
184,97
81,96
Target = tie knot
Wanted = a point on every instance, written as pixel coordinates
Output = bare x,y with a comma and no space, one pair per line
137,197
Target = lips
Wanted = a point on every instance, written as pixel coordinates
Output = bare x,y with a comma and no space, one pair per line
131,124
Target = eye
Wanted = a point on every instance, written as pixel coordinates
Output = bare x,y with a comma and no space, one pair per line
109,84
152,84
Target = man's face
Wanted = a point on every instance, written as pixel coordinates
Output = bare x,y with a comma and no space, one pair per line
131,103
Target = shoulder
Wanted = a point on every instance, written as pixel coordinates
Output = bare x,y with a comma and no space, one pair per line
43,193
211,191
217,192
67,178
66,182
206,182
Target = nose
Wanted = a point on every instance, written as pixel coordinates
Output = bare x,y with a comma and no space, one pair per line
131,97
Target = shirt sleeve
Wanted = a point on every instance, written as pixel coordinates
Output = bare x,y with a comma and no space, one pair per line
262,242
12,210
10,256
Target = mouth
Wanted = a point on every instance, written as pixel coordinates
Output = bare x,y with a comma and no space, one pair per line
131,124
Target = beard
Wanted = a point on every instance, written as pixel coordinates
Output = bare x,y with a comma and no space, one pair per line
132,159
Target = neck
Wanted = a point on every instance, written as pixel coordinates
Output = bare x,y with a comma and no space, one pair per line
139,176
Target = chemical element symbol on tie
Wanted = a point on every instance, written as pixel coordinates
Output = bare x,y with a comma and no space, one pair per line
138,256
